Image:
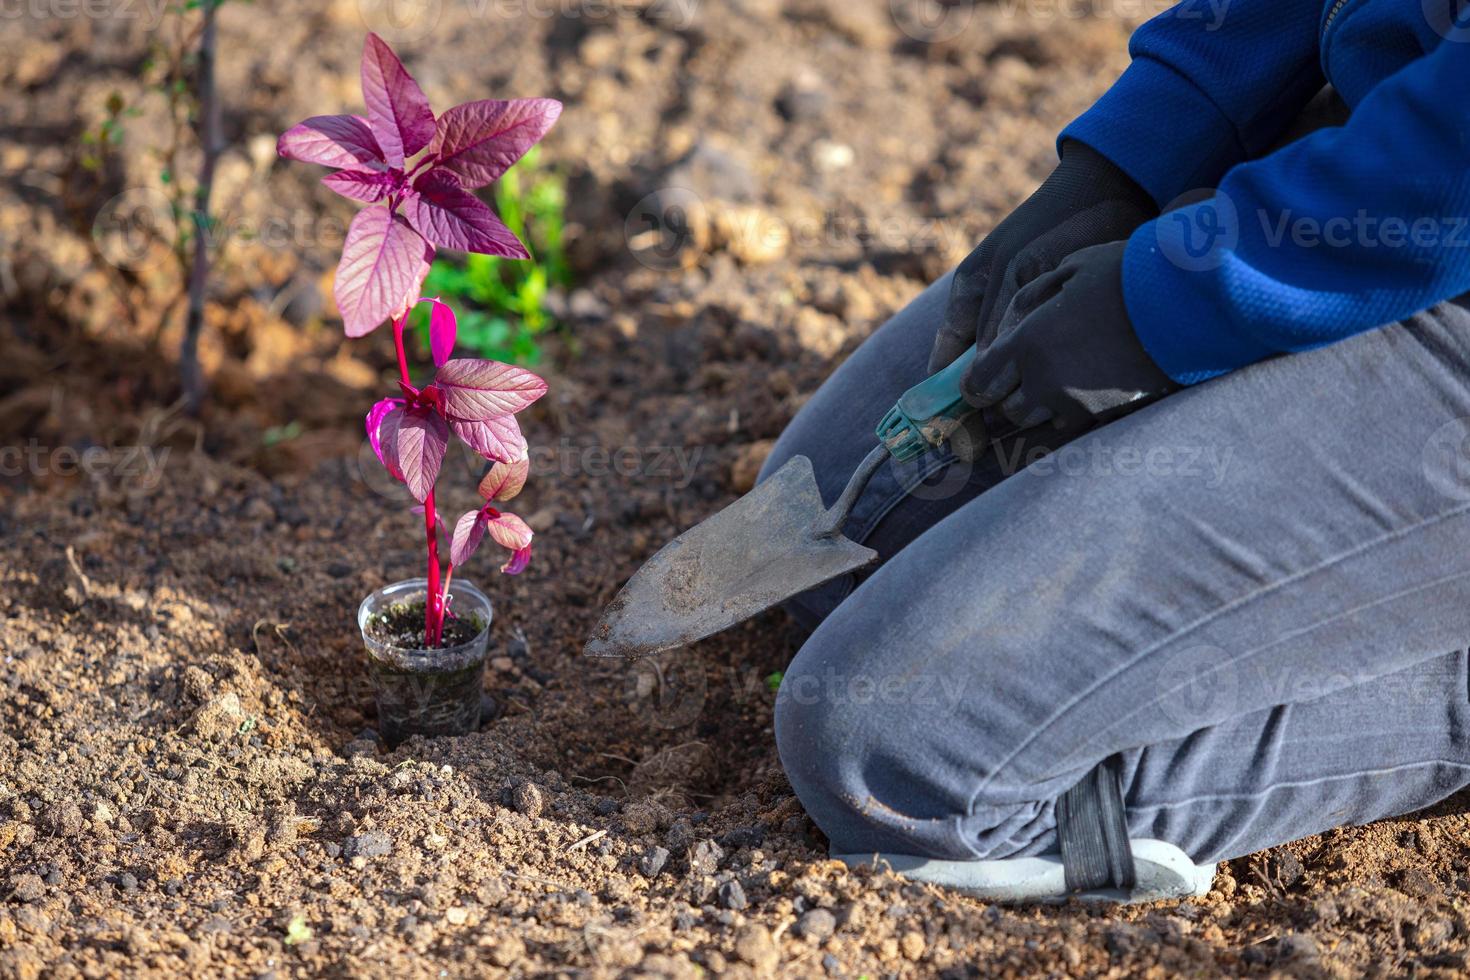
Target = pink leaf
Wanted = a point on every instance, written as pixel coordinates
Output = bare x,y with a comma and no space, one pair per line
480,140
469,531
384,263
495,439
368,186
442,331
332,141
451,217
505,479
382,426
397,108
476,390
509,531
519,559
421,441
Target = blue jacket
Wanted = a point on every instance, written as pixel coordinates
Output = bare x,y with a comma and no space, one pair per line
1341,231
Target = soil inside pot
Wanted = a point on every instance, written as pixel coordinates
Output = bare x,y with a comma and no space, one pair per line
402,625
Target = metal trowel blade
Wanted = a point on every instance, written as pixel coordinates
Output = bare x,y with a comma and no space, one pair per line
760,550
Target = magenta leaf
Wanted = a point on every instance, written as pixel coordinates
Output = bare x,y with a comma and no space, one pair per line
443,329
451,217
505,479
480,140
519,559
509,531
469,531
397,109
368,186
384,263
496,439
476,390
332,141
421,441
382,427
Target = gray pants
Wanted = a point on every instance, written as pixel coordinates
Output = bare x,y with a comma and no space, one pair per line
1256,591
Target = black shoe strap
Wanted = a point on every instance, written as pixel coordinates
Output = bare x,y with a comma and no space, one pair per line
1093,831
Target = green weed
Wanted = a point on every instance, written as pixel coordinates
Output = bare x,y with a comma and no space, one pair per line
501,303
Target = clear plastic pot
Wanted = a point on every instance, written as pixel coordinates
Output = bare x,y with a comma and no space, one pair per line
427,692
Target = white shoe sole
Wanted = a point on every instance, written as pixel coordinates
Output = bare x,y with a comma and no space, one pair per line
1163,872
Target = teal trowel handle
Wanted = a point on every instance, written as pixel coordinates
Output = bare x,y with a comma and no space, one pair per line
928,413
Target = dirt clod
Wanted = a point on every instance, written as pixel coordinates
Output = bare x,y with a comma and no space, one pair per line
507,951
528,798
754,945
816,925
27,887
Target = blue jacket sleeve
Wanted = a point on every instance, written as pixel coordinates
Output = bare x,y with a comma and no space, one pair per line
1343,230
1211,84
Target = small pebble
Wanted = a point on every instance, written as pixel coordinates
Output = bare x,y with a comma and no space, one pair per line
705,858
653,861
369,844
732,896
816,925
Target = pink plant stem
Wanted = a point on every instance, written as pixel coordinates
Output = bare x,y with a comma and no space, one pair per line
434,608
434,603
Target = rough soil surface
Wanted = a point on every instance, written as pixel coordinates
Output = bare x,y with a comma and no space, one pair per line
190,782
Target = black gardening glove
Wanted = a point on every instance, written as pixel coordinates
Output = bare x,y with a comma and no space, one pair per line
1086,201
1067,353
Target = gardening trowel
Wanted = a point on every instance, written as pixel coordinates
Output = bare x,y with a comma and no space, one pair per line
776,541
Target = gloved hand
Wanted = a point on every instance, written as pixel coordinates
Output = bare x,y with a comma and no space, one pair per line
1067,352
1086,201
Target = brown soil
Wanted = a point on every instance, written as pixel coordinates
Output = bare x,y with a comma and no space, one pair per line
189,781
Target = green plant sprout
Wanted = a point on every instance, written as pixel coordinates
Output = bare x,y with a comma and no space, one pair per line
99,141
503,303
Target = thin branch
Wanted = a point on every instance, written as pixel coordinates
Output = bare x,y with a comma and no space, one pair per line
190,374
